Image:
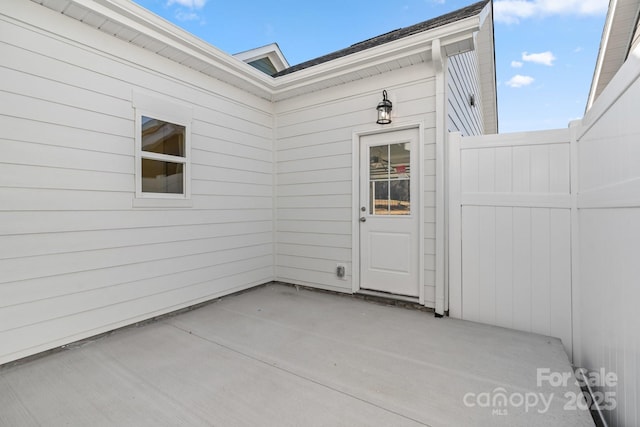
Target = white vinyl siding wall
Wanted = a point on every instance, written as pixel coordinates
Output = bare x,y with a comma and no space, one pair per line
314,173
76,258
462,82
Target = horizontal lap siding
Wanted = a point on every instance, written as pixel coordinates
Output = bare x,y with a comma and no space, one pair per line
429,203
76,258
462,82
314,173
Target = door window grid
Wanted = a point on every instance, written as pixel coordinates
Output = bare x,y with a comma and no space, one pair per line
390,179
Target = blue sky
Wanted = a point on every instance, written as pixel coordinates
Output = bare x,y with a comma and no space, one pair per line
545,49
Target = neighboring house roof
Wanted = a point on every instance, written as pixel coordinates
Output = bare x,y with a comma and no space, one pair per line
400,33
268,59
621,32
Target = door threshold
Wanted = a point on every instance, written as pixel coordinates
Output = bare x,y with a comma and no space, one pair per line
388,295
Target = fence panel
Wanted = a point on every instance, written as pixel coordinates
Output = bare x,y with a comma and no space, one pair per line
510,231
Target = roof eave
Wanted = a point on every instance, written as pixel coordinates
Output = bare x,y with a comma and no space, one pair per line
619,25
142,21
237,73
459,33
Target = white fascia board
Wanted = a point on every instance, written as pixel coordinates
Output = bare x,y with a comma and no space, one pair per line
484,14
418,43
601,53
488,84
617,35
139,19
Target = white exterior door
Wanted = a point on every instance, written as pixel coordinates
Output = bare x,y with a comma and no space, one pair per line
389,213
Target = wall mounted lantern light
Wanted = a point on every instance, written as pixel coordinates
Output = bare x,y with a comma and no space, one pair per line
384,110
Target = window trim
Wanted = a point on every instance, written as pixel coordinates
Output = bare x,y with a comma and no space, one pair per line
168,111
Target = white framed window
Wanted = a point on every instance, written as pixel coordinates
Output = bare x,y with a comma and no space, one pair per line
162,153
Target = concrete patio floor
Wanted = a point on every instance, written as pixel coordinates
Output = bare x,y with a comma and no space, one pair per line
281,356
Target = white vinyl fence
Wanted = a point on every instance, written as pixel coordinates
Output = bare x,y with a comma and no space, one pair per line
510,231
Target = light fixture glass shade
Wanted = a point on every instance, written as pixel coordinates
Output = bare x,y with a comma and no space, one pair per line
384,110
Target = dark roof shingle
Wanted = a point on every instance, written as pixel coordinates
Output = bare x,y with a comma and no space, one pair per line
400,33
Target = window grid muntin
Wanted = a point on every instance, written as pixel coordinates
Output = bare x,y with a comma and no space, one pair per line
376,177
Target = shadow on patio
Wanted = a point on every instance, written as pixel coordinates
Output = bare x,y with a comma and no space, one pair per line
278,356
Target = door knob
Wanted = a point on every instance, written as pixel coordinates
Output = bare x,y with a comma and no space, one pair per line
363,219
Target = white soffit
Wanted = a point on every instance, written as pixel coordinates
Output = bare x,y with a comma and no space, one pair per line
456,37
136,25
619,28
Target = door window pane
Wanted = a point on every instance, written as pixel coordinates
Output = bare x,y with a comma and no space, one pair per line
390,179
162,177
400,160
379,200
399,200
379,162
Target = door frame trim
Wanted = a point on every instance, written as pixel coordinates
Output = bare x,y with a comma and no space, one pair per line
355,199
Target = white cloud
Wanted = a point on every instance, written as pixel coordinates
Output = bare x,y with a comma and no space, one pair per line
181,15
512,11
520,81
191,4
516,64
185,10
544,58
